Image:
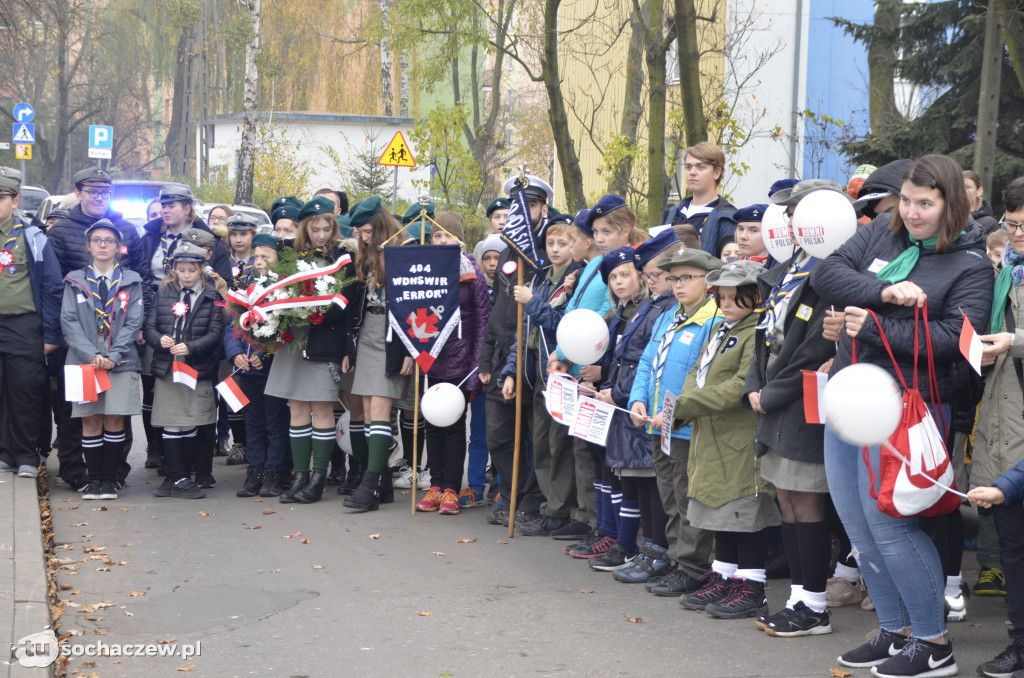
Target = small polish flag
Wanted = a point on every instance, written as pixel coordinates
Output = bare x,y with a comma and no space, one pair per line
970,345
79,384
232,394
102,380
814,401
183,374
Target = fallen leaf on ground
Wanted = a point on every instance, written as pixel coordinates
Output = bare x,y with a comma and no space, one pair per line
103,569
972,624
426,614
277,570
79,524
129,613
502,542
257,501
152,517
253,527
88,665
169,640
94,618
65,587
836,672
375,536
303,541
438,553
93,549
465,541
124,509
633,620
128,545
318,567
586,591
75,632
72,508
268,511
103,508
136,593
185,668
295,534
99,632
205,514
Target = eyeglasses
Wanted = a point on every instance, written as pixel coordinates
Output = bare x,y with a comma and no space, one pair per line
103,241
651,277
1010,226
218,220
94,194
673,279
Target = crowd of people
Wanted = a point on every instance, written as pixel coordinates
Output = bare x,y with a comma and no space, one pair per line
706,329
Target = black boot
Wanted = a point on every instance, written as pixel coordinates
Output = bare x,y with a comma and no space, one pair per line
254,479
153,454
355,476
299,481
271,484
387,490
367,495
312,492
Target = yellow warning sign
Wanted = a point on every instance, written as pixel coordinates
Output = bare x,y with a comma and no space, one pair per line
397,154
23,151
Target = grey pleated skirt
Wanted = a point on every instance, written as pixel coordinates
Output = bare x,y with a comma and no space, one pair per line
746,514
178,405
293,378
124,397
371,361
793,475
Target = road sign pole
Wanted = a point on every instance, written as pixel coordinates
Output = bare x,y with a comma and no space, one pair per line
394,194
24,177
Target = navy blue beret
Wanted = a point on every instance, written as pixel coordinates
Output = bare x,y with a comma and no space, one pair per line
623,255
750,213
782,184
649,249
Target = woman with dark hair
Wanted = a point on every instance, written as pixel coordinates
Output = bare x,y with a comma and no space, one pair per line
927,253
981,211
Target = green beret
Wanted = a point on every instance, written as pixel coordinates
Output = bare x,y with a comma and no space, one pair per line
498,204
267,240
552,212
413,213
318,205
363,211
691,256
286,200
344,230
413,229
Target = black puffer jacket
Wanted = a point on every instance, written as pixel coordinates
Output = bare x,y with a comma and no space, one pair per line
959,279
203,331
983,215
332,340
501,323
886,179
630,446
67,237
221,261
784,427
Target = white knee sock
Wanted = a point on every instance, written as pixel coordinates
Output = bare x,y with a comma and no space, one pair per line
727,570
796,592
850,574
751,574
814,600
953,585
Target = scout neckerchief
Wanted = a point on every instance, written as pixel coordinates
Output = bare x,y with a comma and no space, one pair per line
789,282
710,351
168,243
661,357
1011,275
241,269
7,252
103,304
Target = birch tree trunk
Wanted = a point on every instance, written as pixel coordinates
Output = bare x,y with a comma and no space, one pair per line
386,96
403,92
247,150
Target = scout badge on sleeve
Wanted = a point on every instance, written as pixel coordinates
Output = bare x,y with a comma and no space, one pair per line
423,298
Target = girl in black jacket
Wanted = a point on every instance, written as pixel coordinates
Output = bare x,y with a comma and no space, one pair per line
184,326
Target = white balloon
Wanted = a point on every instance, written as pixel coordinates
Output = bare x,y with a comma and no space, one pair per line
443,404
822,221
863,404
776,234
583,336
342,433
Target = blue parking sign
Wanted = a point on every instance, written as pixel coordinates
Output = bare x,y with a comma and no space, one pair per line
101,136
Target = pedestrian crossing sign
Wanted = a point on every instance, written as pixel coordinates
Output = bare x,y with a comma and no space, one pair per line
397,154
23,151
24,133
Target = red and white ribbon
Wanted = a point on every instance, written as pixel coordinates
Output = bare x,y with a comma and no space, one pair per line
257,310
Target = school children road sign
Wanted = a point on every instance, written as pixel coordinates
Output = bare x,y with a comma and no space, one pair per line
397,154
24,133
23,151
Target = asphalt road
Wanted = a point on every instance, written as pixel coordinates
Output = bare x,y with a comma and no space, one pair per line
237,577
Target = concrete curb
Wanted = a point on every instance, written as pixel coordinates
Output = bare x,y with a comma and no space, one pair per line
23,582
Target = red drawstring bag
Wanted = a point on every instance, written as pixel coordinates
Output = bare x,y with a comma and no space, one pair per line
911,477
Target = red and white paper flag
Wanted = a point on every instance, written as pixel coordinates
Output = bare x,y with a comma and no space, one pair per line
232,394
970,345
814,401
183,374
80,384
102,380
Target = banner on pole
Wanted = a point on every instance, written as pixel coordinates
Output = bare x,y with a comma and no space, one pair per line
518,232
423,298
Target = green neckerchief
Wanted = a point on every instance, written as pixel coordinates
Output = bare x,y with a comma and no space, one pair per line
899,268
1004,281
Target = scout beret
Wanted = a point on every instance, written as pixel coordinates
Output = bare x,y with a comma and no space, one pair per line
782,184
608,203
691,256
735,274
498,204
267,240
582,222
318,205
344,229
363,211
286,200
413,213
91,174
649,249
617,257
286,211
750,213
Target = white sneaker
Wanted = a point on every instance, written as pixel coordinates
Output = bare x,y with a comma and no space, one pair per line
956,608
395,457
423,483
840,592
404,479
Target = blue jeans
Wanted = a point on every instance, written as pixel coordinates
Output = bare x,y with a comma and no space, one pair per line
266,425
478,454
898,561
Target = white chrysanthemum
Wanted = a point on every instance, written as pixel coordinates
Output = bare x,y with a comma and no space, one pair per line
304,266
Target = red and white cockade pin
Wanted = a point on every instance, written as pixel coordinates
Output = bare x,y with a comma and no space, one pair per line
122,296
6,258
180,308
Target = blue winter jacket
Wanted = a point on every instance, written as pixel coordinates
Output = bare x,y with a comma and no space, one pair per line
682,355
716,228
630,446
47,282
235,345
1012,483
591,292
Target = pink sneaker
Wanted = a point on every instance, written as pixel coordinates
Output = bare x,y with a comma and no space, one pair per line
449,503
431,501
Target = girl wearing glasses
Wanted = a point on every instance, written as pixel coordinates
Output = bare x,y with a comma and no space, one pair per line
101,316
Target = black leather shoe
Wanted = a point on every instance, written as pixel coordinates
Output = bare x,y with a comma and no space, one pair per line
367,495
675,584
153,454
314,490
543,527
299,481
271,484
253,483
354,477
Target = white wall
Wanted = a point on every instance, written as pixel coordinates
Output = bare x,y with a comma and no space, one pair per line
312,137
773,28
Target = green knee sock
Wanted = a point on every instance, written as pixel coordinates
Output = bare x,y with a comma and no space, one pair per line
406,428
357,435
378,441
301,438
323,448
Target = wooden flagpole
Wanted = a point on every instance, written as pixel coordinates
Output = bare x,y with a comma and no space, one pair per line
416,381
520,340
